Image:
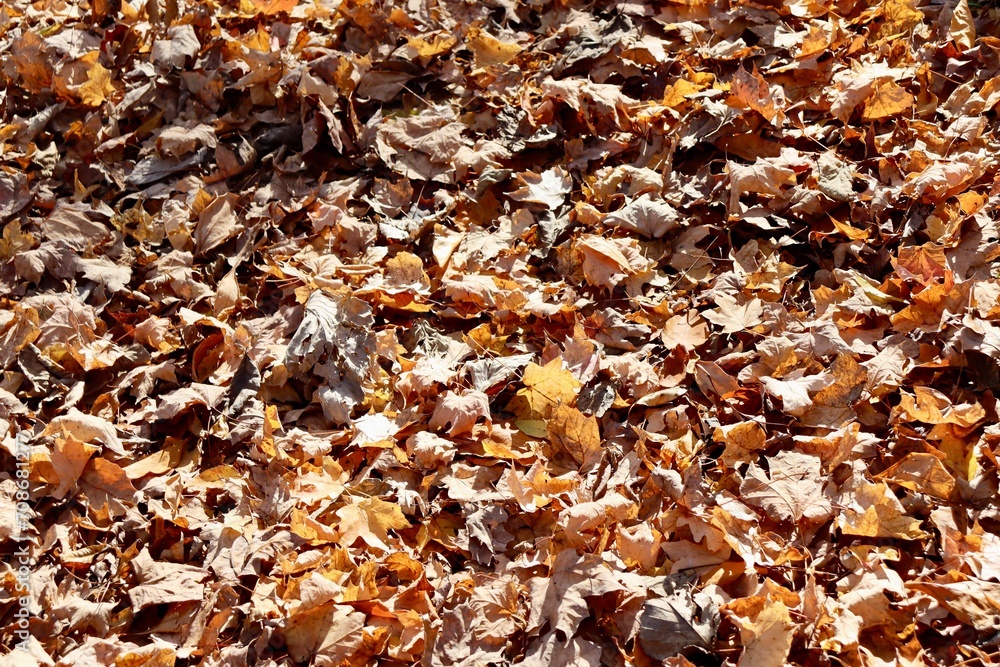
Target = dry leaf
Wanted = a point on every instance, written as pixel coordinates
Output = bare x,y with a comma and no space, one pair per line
576,434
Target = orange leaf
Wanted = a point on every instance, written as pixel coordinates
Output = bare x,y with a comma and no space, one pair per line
888,101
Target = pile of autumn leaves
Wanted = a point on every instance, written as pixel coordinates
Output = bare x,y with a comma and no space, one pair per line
372,333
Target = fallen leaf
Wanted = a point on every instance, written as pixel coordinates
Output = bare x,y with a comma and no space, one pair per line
576,434
370,520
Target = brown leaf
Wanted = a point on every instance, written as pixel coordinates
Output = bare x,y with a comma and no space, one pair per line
370,520
576,434
752,91
216,224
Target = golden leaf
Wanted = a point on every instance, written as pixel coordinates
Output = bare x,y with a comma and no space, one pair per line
545,387
889,100
575,433
488,50
98,86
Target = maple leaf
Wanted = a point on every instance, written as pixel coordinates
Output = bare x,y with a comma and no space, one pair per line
488,50
325,635
743,441
370,520
545,387
792,490
87,428
340,323
890,99
794,390
679,621
963,27
875,512
923,472
548,188
98,86
68,460
274,303
751,90
607,262
575,433
734,316
561,598
461,411
767,638
162,582
650,218
181,43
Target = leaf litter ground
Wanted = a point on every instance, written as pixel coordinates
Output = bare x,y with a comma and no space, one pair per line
535,333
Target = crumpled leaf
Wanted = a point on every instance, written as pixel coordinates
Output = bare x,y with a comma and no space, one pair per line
671,625
181,43
162,582
340,324
646,216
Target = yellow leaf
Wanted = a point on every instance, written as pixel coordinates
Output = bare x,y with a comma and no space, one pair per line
876,512
305,526
963,27
437,45
922,472
899,18
676,95
751,91
576,433
98,86
743,441
488,50
889,100
545,387
932,407
271,7
14,240
767,639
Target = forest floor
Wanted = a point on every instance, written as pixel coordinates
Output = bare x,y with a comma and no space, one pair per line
515,332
